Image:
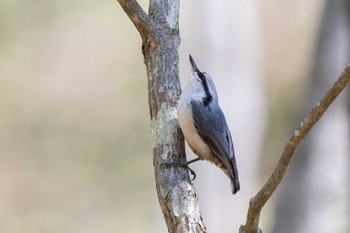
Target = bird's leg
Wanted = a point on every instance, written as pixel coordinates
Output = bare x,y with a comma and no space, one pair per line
192,161
178,164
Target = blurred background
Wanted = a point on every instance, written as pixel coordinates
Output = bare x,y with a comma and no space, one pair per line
75,150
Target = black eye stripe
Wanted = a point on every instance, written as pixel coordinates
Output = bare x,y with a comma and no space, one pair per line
201,77
208,98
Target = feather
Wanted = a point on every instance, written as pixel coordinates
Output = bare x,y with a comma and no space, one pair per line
212,127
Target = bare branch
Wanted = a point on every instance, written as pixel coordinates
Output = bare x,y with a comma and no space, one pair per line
259,200
138,16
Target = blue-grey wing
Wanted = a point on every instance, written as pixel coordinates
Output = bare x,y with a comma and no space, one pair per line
212,127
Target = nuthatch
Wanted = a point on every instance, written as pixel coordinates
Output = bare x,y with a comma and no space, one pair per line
204,125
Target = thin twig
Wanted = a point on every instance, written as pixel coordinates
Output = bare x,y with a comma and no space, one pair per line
259,200
138,16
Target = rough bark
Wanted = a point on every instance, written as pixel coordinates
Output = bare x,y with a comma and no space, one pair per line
159,31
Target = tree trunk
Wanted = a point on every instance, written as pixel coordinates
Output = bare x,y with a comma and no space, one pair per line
159,31
175,192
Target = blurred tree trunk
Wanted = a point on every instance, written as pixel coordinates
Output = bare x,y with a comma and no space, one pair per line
347,49
159,30
230,50
315,196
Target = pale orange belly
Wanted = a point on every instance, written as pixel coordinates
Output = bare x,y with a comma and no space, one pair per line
198,146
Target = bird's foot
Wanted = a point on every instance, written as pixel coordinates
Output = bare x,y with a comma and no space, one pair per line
179,164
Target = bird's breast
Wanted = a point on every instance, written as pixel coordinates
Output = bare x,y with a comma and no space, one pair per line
191,135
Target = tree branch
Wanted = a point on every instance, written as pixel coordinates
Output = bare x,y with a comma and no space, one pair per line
259,200
138,16
169,15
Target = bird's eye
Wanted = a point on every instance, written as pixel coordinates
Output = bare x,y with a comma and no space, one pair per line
201,77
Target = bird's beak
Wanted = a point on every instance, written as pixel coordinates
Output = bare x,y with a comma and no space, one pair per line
193,63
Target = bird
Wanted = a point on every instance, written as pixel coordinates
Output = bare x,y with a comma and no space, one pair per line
204,126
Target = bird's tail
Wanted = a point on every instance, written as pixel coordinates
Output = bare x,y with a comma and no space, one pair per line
235,186
234,176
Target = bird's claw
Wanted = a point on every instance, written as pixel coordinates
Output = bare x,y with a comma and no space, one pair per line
193,173
178,164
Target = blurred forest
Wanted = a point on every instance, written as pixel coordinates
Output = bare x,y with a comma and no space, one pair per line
75,153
